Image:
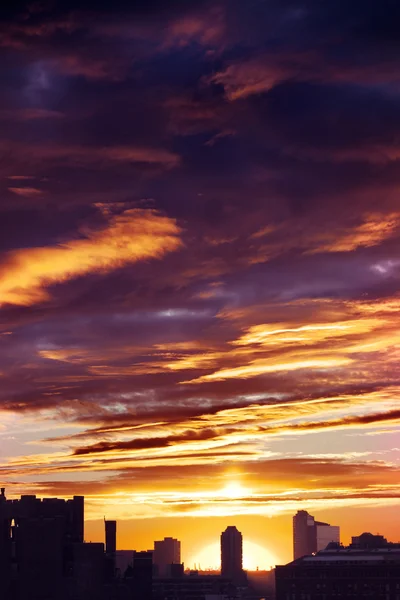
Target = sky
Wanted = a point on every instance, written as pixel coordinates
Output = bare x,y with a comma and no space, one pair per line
199,265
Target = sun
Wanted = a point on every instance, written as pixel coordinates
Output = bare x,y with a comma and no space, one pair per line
234,490
255,557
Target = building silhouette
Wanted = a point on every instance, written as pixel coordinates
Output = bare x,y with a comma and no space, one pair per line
166,552
368,541
110,528
142,575
37,556
310,536
86,579
43,556
42,552
232,554
367,569
110,535
193,586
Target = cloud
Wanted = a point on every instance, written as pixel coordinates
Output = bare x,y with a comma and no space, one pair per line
28,192
86,155
132,236
374,229
260,367
31,114
242,79
147,443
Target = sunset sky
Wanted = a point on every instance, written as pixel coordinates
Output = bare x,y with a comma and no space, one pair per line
200,267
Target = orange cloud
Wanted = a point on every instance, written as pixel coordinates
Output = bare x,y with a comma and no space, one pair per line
375,229
261,367
129,237
28,192
370,230
325,342
278,334
244,79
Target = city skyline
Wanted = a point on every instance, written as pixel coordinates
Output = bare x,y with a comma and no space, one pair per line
168,551
199,266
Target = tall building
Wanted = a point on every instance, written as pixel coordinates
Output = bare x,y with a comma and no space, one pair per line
39,554
87,572
30,507
166,552
110,528
142,575
232,554
110,531
5,546
310,536
42,552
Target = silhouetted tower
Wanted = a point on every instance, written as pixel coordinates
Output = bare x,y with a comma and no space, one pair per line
78,518
111,537
304,536
36,540
142,575
5,546
232,554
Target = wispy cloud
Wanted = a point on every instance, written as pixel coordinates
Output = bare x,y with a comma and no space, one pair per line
127,238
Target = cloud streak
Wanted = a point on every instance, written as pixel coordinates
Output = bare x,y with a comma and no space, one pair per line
130,237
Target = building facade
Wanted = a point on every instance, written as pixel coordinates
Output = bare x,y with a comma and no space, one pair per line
166,552
232,554
110,529
142,576
341,572
325,534
310,536
42,552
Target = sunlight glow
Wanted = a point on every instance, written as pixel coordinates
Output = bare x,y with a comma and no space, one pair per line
254,556
234,490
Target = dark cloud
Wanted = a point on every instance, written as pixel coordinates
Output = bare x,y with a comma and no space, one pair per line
147,443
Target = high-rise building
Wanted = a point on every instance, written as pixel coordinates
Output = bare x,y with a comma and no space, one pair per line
142,575
232,554
310,536
87,572
166,552
111,537
42,552
110,531
303,534
30,507
39,557
5,546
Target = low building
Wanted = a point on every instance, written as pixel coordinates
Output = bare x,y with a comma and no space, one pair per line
348,573
193,587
